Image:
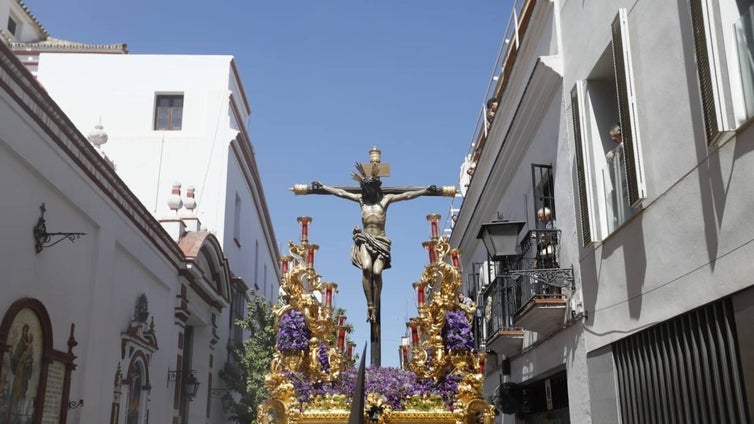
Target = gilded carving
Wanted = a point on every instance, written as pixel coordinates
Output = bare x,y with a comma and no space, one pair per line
431,356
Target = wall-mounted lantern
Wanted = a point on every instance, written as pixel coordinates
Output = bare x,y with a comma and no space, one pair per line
500,237
189,383
44,239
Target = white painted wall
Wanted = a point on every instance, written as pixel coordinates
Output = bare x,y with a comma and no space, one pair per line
120,90
92,283
689,246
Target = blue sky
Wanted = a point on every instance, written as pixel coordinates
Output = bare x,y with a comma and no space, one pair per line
327,80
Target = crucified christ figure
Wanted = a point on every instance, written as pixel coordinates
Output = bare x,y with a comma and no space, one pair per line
371,248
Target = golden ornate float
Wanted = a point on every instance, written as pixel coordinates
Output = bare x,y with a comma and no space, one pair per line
311,349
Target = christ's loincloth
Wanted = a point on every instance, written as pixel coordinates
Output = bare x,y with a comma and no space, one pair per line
377,246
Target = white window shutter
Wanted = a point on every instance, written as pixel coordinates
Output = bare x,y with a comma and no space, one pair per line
581,161
624,81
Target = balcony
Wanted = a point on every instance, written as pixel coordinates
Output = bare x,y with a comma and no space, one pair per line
529,292
499,306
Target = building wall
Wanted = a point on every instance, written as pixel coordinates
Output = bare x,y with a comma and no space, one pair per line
529,128
94,282
26,27
121,92
687,246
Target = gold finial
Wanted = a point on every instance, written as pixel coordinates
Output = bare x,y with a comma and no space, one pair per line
375,155
375,168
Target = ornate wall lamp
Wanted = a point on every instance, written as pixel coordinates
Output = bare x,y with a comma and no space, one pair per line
44,239
189,383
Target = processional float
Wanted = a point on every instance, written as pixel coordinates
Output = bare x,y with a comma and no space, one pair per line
312,375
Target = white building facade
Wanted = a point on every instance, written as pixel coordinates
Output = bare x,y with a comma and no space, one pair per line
187,161
176,119
179,120
104,315
643,312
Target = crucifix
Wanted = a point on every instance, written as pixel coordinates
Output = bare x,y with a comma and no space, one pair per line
371,248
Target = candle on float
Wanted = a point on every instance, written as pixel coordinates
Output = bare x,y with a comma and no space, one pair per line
434,220
404,353
341,337
455,257
328,294
482,360
419,287
430,246
310,255
304,221
341,320
285,263
414,332
349,351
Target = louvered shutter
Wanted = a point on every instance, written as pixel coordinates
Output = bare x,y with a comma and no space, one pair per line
627,110
684,370
706,87
586,231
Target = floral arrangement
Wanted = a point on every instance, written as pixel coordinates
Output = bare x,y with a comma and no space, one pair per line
324,359
293,334
457,334
399,388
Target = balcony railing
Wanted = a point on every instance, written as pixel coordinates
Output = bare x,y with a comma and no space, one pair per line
502,299
534,275
515,29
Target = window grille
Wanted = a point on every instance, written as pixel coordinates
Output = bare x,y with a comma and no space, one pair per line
684,370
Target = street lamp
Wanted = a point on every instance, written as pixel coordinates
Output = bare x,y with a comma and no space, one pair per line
189,383
500,237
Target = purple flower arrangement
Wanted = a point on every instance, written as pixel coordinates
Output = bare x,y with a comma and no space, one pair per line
394,384
324,359
457,334
293,334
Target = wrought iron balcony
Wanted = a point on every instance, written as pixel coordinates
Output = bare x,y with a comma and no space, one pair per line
501,300
529,291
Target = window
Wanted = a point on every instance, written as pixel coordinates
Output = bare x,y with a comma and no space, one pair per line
11,25
724,44
544,190
609,166
168,112
256,263
237,306
237,221
186,370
